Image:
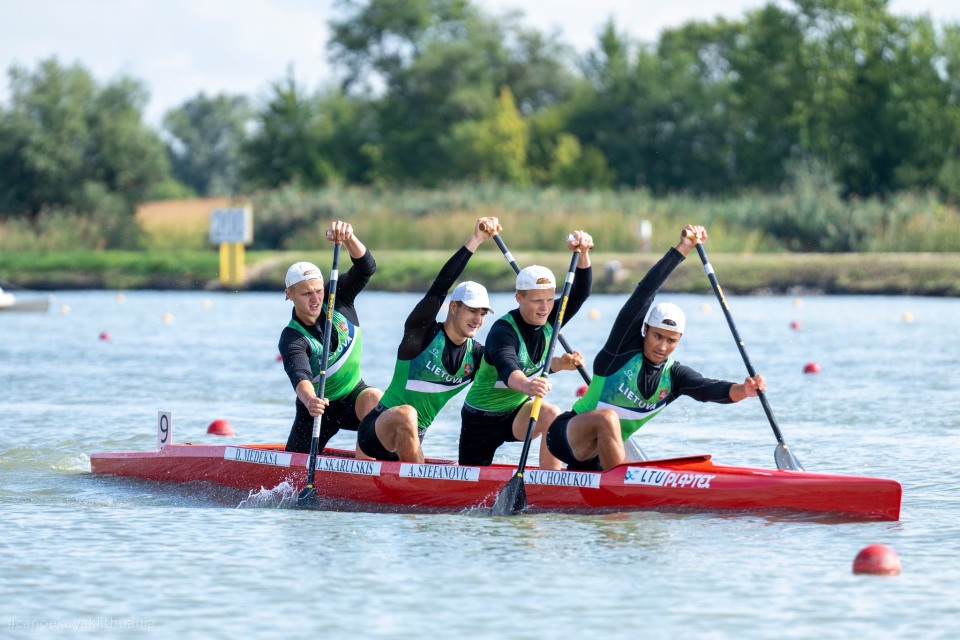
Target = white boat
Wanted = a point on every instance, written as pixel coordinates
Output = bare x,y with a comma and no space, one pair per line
10,302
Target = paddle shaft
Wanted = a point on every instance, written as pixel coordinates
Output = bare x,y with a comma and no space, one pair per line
708,268
535,411
322,383
633,450
516,269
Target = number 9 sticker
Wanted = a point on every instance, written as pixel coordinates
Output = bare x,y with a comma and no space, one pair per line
164,429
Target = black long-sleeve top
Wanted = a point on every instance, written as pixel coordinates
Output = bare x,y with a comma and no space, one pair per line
295,348
503,344
626,340
421,326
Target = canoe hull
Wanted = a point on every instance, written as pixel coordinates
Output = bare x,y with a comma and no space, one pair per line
692,483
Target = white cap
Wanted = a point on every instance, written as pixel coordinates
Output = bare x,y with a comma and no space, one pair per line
668,316
535,277
472,294
301,271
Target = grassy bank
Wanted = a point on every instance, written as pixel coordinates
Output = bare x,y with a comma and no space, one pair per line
805,216
930,274
802,238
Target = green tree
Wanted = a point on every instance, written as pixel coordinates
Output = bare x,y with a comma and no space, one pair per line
67,142
659,118
537,67
206,135
310,141
284,148
432,70
578,168
948,178
767,81
878,109
729,105
378,39
695,122
606,112
434,61
496,147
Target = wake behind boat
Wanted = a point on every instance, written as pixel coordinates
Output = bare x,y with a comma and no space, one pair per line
691,483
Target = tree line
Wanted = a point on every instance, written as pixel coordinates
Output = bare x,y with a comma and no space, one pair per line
429,93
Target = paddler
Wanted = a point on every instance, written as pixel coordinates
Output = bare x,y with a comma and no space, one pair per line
348,397
634,376
435,360
497,407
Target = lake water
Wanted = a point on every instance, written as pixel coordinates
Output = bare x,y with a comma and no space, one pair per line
121,558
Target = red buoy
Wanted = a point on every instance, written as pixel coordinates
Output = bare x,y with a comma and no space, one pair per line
582,389
279,358
104,335
220,428
877,559
795,325
811,367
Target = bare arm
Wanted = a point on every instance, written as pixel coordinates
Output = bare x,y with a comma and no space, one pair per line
748,389
342,232
581,241
309,398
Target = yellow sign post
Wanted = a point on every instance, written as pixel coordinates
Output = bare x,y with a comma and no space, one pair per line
232,229
231,263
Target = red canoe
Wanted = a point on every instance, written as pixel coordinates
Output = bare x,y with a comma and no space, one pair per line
692,483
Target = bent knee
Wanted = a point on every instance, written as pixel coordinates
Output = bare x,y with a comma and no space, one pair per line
548,413
606,422
609,417
405,417
367,401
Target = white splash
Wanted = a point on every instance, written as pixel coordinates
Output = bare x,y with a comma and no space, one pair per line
282,496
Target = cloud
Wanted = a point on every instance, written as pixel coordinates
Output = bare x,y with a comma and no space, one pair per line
180,48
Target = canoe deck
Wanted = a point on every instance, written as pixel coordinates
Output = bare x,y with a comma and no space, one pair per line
691,483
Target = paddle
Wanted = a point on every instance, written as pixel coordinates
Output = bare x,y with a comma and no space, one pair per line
309,492
633,451
516,269
512,499
782,454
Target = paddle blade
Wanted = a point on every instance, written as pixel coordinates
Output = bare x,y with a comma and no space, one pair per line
512,499
307,497
633,451
785,459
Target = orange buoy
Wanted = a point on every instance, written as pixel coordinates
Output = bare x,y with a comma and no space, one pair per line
582,389
104,335
220,428
877,559
811,367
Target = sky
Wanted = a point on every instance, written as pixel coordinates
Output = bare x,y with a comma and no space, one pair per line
180,48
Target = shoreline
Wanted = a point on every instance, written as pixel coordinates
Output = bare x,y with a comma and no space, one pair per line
921,274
